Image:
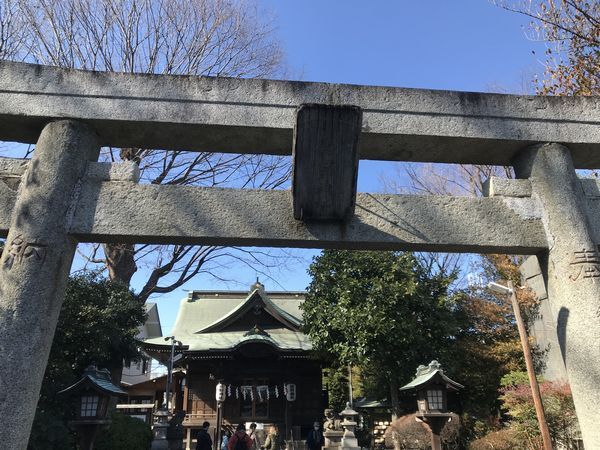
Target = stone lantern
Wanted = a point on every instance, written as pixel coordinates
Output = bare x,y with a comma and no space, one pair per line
349,423
432,386
95,396
160,427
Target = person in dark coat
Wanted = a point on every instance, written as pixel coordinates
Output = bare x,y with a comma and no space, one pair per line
315,439
240,440
175,431
254,437
203,439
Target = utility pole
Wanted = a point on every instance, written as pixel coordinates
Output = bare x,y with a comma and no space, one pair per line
535,388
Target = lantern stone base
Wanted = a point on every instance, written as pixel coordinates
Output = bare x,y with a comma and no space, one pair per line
333,439
159,430
350,443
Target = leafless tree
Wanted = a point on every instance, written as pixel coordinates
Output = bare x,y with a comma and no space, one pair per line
572,30
442,179
12,32
201,37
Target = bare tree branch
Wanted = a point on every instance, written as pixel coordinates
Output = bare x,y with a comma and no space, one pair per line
572,30
200,37
12,31
442,179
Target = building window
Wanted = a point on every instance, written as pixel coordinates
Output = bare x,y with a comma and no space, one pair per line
254,405
89,405
435,399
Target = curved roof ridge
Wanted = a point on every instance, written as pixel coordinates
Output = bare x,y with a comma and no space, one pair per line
289,317
271,307
427,373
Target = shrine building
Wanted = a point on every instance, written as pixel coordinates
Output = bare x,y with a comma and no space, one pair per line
251,343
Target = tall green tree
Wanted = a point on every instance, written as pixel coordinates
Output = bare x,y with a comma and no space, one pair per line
98,324
381,311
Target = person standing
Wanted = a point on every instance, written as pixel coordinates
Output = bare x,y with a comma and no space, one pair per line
254,437
272,440
240,440
315,439
175,431
226,435
203,439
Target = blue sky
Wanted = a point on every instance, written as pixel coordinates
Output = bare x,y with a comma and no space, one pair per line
467,45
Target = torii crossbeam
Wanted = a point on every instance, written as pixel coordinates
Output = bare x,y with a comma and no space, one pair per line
62,196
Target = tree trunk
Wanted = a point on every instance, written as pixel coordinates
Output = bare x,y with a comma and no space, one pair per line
394,400
120,262
116,374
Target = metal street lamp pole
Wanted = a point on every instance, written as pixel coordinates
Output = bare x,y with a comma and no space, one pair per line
535,389
170,368
350,384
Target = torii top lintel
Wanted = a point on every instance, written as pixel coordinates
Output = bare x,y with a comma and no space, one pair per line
258,116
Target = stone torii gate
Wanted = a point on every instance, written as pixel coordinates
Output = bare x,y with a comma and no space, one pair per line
62,196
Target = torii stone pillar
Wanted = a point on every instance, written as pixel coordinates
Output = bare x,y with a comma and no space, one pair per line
34,269
572,270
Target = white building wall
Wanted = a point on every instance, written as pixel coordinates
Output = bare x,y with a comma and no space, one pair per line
149,368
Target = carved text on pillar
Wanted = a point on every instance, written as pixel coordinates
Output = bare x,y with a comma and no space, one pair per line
585,264
19,249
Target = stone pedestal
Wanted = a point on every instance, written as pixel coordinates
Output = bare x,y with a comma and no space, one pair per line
349,441
571,268
159,430
333,439
34,269
87,433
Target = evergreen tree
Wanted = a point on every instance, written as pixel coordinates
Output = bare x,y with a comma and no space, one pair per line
98,324
381,311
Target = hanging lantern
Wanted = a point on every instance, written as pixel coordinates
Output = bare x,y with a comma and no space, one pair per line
290,392
220,392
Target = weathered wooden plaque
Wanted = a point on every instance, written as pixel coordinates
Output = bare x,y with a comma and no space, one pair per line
325,155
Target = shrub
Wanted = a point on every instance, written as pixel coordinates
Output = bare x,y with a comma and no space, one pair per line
522,430
125,433
50,432
408,433
558,407
496,440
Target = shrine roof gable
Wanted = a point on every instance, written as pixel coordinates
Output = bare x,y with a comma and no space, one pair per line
256,299
203,312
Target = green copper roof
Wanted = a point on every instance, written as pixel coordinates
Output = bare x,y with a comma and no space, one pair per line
98,379
371,403
203,319
272,307
426,374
